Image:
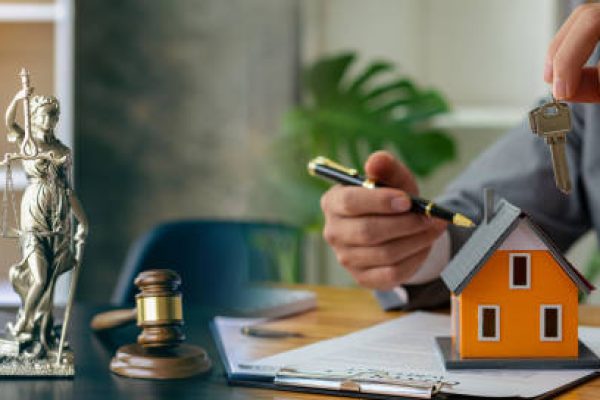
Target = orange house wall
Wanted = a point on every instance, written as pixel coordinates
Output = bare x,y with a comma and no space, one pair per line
519,309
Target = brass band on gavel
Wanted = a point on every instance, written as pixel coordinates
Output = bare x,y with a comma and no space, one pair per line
159,309
155,309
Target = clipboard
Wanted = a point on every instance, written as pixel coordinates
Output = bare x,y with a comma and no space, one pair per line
365,384
350,383
356,386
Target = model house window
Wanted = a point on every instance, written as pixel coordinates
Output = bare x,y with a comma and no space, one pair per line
551,323
520,271
489,323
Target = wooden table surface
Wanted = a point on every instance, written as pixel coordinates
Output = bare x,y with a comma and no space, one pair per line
340,311
344,310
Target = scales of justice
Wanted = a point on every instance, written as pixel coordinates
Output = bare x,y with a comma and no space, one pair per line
51,228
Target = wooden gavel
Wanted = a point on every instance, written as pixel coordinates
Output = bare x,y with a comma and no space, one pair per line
159,352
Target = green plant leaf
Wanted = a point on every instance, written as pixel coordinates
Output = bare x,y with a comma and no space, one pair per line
425,151
401,84
591,271
323,80
370,72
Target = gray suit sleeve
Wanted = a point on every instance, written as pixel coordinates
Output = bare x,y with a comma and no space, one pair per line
518,167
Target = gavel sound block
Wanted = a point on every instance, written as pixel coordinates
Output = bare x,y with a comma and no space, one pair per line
159,352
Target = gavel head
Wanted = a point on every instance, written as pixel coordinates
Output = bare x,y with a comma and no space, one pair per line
159,310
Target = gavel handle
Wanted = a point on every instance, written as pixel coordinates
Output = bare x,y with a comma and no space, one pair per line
113,319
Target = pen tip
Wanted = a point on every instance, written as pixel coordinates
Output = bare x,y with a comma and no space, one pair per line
461,220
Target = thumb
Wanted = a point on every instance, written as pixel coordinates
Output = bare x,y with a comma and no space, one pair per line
383,167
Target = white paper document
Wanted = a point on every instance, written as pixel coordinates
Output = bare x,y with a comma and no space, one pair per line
406,345
234,344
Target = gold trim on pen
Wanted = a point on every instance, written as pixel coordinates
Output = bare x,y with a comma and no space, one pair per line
369,184
428,209
312,165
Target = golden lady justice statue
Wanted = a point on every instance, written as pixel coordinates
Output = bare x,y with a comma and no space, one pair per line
49,244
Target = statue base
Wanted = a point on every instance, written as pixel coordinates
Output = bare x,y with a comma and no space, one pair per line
15,360
25,366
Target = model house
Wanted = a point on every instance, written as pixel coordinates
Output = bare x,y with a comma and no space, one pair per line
514,295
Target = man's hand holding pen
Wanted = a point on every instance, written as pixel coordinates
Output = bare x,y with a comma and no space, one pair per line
372,232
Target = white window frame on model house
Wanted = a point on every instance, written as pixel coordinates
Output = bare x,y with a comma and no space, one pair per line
511,270
480,336
559,327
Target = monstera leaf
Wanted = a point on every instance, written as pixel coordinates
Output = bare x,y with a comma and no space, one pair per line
346,116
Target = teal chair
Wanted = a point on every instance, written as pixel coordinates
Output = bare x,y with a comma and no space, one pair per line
214,258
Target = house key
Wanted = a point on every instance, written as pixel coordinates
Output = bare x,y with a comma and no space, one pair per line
552,121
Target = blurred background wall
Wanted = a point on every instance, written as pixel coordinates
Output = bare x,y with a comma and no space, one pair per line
174,101
173,105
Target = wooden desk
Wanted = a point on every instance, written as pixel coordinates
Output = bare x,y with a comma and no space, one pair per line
340,311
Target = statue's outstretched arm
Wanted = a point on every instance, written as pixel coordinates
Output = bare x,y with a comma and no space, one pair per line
15,132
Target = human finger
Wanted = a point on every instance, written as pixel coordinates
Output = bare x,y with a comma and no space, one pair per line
382,166
372,230
387,277
573,53
559,38
589,86
356,201
390,253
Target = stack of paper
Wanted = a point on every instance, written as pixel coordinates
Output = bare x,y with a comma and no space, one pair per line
407,346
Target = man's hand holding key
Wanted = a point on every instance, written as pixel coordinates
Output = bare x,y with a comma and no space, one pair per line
571,80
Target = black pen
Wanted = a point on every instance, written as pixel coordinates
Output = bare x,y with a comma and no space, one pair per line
257,331
333,171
